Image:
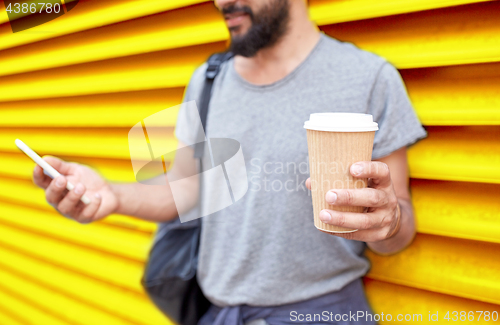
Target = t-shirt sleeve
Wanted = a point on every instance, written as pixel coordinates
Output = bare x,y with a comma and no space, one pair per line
188,119
391,108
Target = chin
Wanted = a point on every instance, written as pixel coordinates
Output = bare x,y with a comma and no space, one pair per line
238,31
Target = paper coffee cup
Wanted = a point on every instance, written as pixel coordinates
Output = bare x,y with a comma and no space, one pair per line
335,142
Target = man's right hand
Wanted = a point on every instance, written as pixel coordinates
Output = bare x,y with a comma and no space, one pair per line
103,200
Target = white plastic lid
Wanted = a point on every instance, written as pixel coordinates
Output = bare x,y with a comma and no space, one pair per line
341,122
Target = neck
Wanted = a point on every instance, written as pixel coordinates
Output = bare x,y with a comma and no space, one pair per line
276,62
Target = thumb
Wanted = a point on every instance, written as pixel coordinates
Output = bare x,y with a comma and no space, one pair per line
60,165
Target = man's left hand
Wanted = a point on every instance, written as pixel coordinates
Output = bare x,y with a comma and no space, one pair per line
382,218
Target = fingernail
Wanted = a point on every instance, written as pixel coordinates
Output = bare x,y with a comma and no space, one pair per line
97,196
325,216
356,169
331,197
79,189
60,182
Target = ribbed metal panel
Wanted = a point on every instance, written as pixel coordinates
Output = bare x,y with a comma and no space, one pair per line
73,87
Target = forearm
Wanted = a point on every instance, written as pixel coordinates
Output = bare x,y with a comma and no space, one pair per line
153,202
404,236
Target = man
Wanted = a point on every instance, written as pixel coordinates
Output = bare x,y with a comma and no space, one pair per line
261,259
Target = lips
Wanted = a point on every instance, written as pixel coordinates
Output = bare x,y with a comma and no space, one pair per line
235,18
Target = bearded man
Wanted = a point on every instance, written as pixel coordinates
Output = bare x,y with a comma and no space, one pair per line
261,259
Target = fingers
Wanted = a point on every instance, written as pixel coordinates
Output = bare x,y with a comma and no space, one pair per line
308,183
70,202
89,211
367,225
364,197
371,227
73,207
347,219
39,178
55,191
376,170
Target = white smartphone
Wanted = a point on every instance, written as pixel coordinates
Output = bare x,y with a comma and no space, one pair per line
48,169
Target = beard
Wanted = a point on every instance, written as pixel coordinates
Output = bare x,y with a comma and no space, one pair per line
268,26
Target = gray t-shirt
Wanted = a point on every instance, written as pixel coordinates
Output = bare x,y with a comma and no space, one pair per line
264,250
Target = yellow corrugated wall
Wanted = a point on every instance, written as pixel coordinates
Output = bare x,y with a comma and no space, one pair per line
73,87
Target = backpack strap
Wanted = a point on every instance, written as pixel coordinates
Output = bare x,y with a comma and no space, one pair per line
214,63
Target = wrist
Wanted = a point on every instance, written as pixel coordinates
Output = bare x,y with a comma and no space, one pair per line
402,235
117,193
